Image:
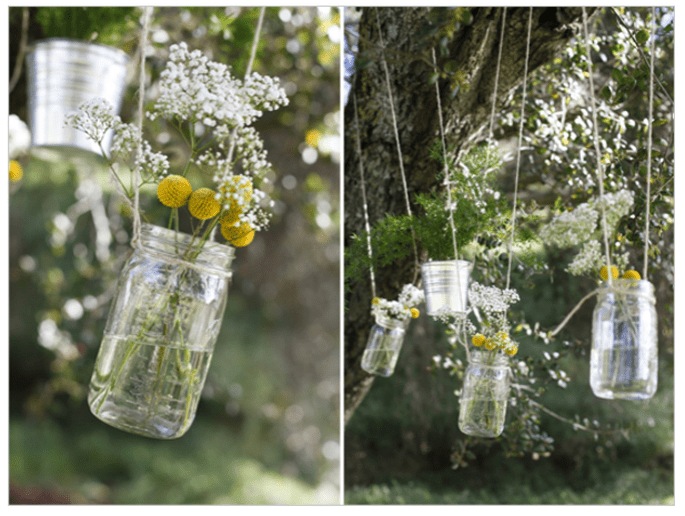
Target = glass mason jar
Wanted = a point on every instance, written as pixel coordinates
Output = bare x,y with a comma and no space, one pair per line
483,405
160,334
445,283
384,344
623,359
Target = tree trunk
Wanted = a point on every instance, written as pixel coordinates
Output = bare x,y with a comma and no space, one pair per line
474,48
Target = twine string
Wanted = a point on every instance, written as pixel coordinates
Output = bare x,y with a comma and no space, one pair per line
147,15
518,149
364,201
600,165
397,138
649,143
497,69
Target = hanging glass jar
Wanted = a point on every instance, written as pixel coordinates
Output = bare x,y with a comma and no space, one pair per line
483,405
623,359
445,284
384,345
160,334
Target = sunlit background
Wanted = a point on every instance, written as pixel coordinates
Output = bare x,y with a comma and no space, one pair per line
267,428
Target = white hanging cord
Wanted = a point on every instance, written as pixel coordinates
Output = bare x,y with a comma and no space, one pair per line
147,14
366,207
649,143
494,92
600,165
397,136
518,150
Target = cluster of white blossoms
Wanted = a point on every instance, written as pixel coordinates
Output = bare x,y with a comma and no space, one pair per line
194,88
616,206
19,137
491,300
411,296
94,117
392,309
571,227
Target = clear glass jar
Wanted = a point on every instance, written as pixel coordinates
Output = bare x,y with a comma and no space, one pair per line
160,334
445,283
483,405
624,358
384,345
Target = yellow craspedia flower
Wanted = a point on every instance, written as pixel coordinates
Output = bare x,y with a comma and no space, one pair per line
478,340
632,275
312,137
242,184
512,350
489,344
238,236
603,273
16,172
414,313
375,301
203,205
173,191
229,217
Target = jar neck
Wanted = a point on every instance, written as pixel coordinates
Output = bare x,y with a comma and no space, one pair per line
391,323
167,244
627,288
492,358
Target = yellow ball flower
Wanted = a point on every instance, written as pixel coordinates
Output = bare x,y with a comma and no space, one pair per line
238,236
512,350
16,172
375,301
490,344
414,313
478,340
173,191
203,205
230,217
632,275
603,273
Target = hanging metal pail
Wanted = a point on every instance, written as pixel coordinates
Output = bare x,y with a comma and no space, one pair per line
62,75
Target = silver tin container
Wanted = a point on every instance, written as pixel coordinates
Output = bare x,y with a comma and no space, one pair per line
445,284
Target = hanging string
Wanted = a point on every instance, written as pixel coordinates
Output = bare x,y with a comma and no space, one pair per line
518,150
365,205
649,143
494,92
397,139
600,165
147,14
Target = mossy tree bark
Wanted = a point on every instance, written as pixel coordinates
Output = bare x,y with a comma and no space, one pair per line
474,48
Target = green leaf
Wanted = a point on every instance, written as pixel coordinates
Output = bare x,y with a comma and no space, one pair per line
642,37
434,78
617,75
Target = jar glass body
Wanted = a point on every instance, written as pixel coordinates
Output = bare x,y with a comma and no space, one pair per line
159,337
445,284
384,345
624,358
483,405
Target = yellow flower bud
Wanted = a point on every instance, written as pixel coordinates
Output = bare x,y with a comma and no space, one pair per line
632,275
375,301
478,340
238,236
203,205
603,273
512,350
489,344
414,313
16,172
173,191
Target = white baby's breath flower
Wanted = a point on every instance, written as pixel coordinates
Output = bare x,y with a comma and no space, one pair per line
94,117
590,258
411,296
19,137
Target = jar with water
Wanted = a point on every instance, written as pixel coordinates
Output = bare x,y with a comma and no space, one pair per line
483,404
384,345
623,359
160,334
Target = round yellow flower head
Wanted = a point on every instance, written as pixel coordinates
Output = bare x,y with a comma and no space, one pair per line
229,217
238,236
375,301
242,184
173,191
631,275
414,313
490,344
478,339
603,273
203,205
512,350
16,172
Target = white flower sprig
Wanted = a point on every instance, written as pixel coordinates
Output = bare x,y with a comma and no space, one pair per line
403,308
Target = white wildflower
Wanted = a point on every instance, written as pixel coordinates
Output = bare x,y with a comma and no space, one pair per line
19,137
411,296
94,117
571,227
590,258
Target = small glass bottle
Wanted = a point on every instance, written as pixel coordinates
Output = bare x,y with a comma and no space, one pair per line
445,284
483,405
160,334
624,359
384,345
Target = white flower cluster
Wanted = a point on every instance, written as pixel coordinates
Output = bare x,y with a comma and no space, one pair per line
154,166
94,117
589,258
197,89
491,300
571,227
19,137
392,309
411,296
616,206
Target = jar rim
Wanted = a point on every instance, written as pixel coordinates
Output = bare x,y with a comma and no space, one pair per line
627,286
446,263
480,356
72,43
391,322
